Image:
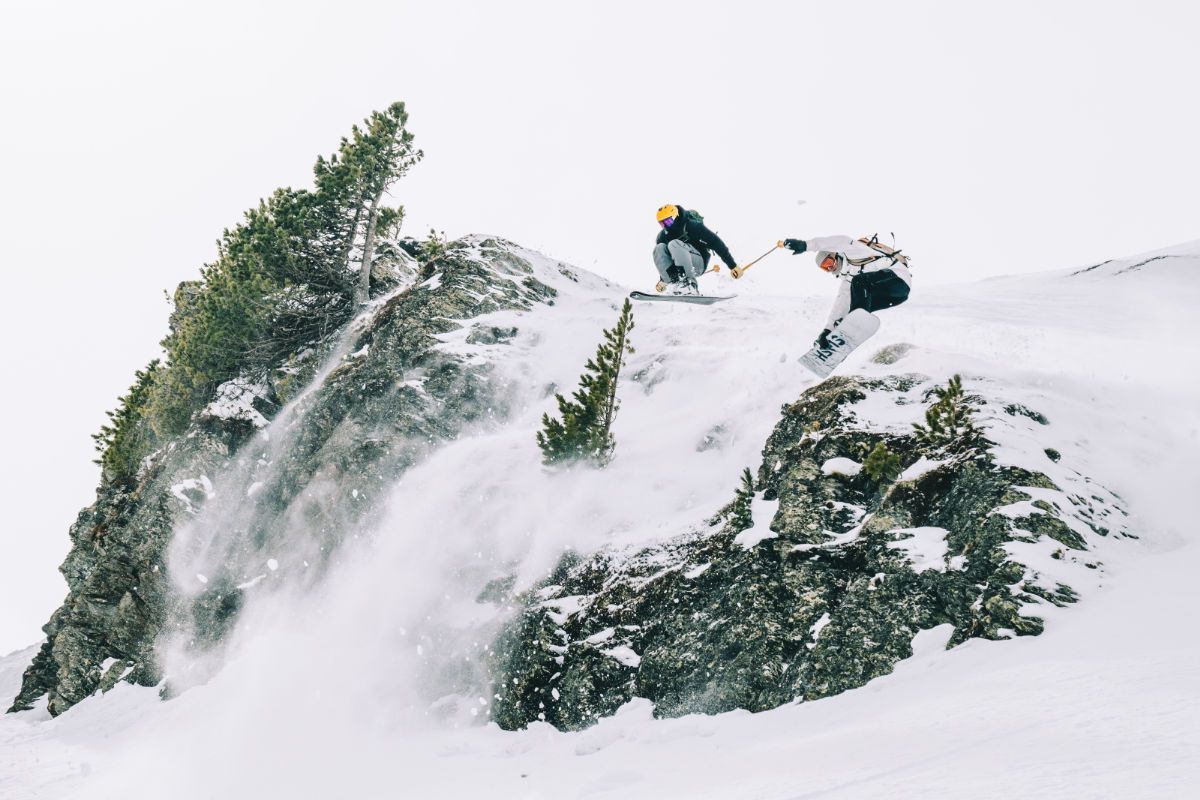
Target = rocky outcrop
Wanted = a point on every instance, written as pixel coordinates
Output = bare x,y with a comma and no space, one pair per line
853,534
117,578
816,585
221,498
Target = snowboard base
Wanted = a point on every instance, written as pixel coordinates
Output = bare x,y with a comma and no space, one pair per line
854,329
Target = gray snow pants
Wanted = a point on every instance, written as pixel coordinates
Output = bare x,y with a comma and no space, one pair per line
678,254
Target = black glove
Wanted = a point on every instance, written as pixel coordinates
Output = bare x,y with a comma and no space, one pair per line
797,246
822,341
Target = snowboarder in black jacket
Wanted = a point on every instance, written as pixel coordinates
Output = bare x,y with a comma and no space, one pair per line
683,248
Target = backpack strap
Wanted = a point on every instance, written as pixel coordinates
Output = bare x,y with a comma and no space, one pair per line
882,249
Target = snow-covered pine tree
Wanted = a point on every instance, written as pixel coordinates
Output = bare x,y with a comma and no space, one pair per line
585,431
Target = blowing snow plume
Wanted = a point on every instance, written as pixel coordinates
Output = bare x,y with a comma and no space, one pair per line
239,511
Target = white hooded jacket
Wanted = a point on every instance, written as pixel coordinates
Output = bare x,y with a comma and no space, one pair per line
848,249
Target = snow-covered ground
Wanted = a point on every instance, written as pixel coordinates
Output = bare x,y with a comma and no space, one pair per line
358,690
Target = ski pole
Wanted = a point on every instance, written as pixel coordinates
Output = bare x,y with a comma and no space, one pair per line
737,272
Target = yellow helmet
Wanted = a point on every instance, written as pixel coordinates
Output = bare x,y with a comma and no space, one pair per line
667,215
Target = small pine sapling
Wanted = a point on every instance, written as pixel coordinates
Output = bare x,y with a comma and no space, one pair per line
434,246
948,422
736,513
739,510
882,465
584,432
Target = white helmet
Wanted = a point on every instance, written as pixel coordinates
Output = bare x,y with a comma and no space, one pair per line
830,262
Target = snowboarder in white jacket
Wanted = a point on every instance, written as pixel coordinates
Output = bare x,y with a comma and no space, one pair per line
870,279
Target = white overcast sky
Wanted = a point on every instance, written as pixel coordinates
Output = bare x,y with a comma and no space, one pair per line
991,138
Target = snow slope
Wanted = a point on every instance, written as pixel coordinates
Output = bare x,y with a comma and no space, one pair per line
361,689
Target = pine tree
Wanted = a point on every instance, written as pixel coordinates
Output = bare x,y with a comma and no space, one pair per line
390,220
882,465
353,181
736,514
130,438
282,279
739,510
948,422
434,246
584,432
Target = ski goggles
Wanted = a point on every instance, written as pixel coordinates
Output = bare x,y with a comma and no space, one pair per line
668,222
830,263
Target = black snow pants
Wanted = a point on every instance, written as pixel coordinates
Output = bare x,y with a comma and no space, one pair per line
876,290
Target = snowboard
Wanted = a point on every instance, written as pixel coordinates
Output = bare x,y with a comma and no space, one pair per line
854,329
694,299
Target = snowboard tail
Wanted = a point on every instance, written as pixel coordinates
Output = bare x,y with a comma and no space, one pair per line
857,326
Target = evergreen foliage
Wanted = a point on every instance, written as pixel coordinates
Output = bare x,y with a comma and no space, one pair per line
948,422
284,278
129,438
249,309
434,246
584,432
390,220
882,465
353,183
739,515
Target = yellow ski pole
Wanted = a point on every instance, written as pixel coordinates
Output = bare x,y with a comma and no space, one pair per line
737,272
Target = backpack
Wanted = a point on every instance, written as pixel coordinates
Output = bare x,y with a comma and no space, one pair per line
883,250
692,217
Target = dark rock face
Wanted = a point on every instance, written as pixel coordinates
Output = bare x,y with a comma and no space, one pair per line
224,495
820,596
117,579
